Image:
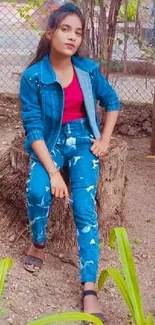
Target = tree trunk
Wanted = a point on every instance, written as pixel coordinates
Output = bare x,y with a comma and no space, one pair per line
126,36
99,32
61,231
137,24
112,24
103,37
153,127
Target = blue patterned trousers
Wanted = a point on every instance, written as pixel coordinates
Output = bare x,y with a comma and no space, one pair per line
72,150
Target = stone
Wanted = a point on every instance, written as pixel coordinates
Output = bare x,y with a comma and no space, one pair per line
143,116
146,125
132,131
149,131
3,111
123,129
10,320
12,238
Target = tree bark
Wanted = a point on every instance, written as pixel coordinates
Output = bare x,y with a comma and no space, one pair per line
137,24
103,31
153,127
112,24
14,166
126,25
103,37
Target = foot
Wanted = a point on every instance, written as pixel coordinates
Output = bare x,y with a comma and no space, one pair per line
37,253
91,305
90,302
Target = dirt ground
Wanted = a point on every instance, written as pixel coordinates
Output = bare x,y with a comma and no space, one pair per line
56,288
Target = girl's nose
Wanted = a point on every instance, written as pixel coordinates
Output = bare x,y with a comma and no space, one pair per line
72,38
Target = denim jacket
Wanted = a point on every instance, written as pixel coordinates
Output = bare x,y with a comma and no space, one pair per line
42,99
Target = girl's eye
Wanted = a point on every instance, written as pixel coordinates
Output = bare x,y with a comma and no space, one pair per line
78,34
64,29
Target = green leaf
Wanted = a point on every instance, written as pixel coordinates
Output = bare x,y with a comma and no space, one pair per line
1,311
101,245
131,10
112,240
5,264
129,272
118,67
120,283
67,317
149,320
137,241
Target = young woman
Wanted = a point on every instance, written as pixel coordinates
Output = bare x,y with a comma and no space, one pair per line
58,92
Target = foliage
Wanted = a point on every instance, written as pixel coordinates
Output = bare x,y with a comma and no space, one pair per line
67,317
5,265
24,12
131,10
127,282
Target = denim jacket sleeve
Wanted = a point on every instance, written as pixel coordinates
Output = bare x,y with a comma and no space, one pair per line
104,92
30,110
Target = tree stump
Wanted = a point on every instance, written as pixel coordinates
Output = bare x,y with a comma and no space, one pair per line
14,166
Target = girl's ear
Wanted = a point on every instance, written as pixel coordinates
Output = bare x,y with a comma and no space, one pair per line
48,35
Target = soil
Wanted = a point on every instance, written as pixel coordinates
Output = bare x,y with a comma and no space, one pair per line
56,288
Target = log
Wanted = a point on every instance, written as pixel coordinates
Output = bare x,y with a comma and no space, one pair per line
14,166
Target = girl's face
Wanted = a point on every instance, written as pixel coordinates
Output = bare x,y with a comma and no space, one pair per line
68,37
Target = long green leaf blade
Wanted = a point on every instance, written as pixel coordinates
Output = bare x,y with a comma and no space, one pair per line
67,317
102,278
120,283
5,264
129,272
149,320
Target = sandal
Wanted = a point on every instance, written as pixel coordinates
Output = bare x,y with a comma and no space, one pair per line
93,293
36,262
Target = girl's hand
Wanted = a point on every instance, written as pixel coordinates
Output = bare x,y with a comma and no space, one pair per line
58,187
99,147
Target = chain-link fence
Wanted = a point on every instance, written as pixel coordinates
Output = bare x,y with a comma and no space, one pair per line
134,50
131,67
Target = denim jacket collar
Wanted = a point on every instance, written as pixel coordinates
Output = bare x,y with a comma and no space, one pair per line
48,75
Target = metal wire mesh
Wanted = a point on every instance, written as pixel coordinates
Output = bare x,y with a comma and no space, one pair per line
134,50
132,70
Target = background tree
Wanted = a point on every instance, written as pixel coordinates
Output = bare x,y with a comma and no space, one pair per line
101,21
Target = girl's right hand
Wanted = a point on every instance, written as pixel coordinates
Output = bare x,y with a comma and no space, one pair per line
58,187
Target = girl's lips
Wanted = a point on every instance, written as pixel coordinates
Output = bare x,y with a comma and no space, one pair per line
70,45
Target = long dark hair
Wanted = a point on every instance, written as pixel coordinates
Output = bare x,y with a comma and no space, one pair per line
54,21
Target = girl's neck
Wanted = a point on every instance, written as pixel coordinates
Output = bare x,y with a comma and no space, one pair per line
60,62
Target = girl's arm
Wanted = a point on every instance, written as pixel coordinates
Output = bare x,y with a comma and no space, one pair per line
58,186
107,98
104,93
109,124
32,122
43,155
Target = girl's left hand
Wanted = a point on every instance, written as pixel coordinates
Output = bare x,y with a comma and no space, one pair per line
99,147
